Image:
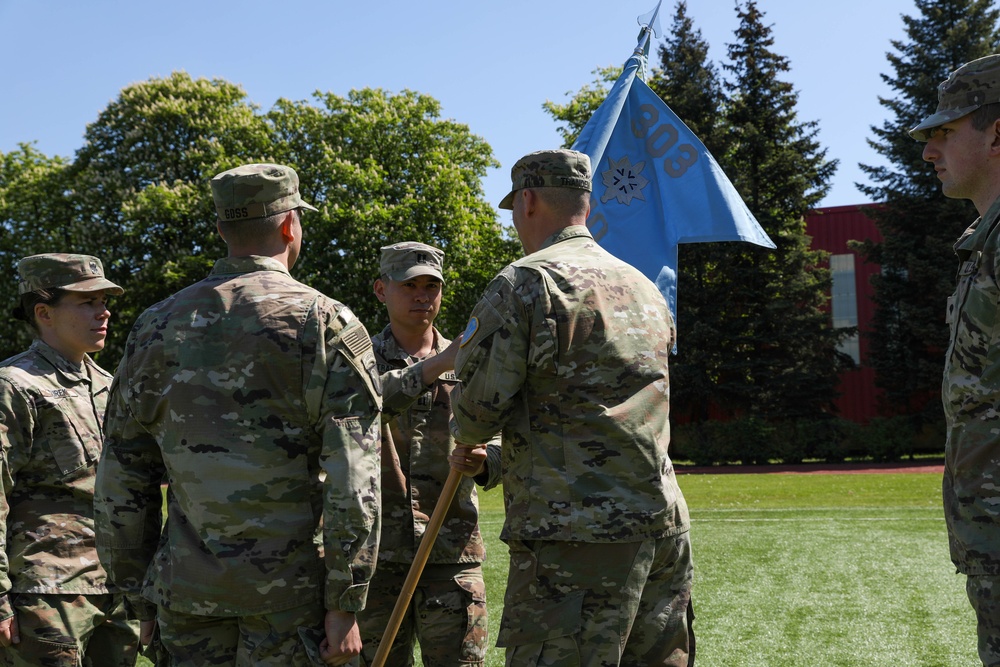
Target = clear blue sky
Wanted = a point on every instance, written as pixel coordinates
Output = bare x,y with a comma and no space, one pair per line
491,64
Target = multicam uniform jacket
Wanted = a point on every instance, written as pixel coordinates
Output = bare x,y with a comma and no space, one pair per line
240,392
422,440
53,410
971,395
567,353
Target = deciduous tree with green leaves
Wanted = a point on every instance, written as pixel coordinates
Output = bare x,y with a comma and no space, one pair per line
139,186
380,167
35,212
383,168
582,104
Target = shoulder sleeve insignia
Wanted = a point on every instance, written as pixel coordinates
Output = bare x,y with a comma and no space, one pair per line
356,341
470,331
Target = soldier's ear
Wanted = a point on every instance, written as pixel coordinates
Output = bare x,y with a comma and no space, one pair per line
43,314
995,145
288,227
379,289
530,200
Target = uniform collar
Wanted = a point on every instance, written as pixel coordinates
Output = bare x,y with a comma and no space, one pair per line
391,351
63,365
565,234
248,264
974,237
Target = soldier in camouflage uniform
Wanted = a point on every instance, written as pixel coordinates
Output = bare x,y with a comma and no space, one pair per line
963,143
566,353
448,612
56,606
256,400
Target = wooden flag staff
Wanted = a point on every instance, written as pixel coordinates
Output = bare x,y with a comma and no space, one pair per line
417,567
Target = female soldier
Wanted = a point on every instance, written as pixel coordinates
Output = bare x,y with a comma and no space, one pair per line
55,608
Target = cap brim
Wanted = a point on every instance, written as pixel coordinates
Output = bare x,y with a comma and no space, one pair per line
508,201
415,271
93,285
922,131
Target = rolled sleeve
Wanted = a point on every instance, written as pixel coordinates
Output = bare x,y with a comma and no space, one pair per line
491,475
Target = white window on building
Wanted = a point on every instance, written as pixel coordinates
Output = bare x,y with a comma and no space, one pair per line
844,302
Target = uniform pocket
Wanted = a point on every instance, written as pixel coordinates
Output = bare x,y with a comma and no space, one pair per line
975,330
73,442
311,639
537,620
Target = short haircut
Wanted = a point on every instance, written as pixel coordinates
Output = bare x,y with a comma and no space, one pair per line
985,115
242,233
564,201
25,311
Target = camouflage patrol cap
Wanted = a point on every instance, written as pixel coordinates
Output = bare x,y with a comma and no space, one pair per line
77,273
969,87
256,191
401,261
560,168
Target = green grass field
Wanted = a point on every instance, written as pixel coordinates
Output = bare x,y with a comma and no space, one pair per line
808,571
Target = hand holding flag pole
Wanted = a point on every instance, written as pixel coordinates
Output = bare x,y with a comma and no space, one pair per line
640,215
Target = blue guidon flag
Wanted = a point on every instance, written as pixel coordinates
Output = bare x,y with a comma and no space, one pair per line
655,184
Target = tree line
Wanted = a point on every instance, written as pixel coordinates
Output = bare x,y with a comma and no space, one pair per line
758,362
380,167
756,371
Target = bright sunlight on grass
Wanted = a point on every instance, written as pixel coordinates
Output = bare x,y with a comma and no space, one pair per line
808,571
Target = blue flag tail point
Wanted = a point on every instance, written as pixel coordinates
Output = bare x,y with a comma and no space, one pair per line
655,185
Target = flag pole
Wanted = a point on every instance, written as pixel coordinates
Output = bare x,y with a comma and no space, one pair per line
648,31
419,561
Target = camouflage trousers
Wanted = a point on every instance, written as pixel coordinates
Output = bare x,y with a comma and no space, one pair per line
71,631
572,604
288,638
984,594
447,616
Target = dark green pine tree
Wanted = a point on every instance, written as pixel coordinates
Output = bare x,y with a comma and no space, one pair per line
919,225
781,362
688,81
689,84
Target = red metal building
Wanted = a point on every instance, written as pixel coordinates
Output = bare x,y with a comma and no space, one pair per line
851,301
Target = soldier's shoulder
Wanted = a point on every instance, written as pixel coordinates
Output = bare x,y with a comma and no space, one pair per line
15,361
22,366
510,276
382,337
339,314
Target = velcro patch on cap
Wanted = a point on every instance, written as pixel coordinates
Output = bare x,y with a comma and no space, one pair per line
247,212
